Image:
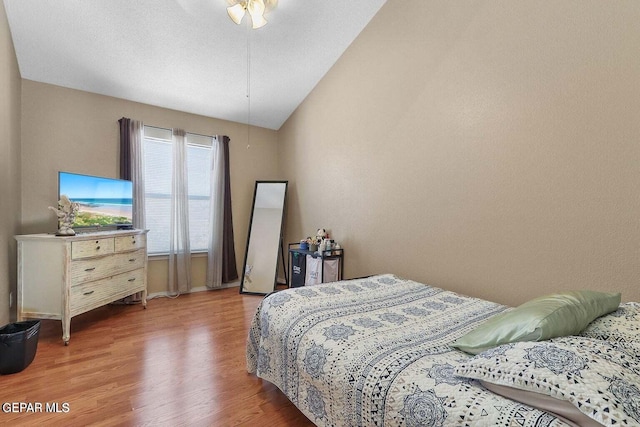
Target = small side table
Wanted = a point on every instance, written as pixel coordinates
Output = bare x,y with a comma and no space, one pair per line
298,264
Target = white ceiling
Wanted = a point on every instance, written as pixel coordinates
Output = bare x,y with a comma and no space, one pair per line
187,55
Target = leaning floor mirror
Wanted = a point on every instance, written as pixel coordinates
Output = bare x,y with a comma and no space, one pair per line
264,238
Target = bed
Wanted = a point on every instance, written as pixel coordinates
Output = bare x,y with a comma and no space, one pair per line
379,351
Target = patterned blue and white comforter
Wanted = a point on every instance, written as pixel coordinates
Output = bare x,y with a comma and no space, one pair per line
375,352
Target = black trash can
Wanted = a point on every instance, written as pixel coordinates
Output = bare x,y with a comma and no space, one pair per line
18,345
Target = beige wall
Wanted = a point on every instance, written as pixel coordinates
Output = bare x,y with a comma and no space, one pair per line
75,131
491,148
9,166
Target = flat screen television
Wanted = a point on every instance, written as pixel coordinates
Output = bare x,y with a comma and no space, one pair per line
103,202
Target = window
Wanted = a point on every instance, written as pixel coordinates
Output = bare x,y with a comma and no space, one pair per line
158,164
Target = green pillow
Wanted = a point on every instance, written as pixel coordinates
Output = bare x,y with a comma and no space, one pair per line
561,314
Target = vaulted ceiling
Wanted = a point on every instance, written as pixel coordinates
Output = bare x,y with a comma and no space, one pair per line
187,55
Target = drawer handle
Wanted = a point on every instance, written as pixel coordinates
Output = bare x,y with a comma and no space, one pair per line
88,293
134,242
131,259
97,248
132,279
89,269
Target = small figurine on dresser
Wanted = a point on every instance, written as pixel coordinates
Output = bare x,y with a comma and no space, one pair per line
66,213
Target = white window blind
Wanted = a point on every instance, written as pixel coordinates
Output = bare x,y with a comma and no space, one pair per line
158,166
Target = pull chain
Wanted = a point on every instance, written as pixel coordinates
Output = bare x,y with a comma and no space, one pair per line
248,88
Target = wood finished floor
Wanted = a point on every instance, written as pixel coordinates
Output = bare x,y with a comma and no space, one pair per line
180,362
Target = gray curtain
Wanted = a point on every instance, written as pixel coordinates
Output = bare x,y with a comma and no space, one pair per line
216,216
132,169
179,244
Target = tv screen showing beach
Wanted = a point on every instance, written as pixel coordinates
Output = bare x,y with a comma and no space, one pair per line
102,201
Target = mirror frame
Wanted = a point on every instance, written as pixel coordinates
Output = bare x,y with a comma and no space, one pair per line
280,242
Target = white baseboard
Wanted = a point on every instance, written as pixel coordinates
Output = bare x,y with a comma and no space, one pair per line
235,284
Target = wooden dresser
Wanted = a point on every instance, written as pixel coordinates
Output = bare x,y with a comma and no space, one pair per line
61,277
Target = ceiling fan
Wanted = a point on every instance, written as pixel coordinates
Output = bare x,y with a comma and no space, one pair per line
255,8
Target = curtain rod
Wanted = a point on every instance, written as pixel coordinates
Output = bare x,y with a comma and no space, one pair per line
191,133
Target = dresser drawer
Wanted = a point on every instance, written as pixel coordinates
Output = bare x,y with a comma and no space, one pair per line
128,243
87,296
86,270
91,248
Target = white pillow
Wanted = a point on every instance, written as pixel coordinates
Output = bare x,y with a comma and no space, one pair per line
622,325
597,377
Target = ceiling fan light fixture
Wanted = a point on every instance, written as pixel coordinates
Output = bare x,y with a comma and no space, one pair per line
236,12
255,8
